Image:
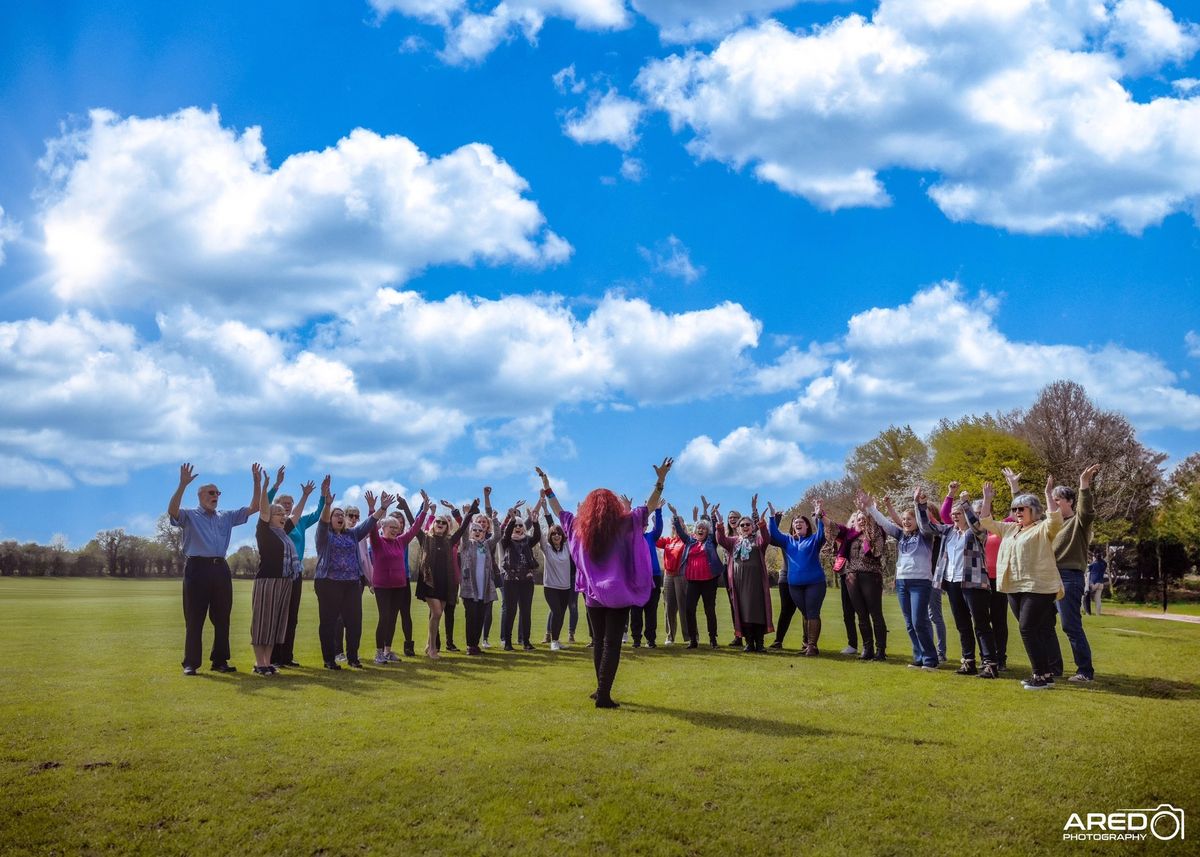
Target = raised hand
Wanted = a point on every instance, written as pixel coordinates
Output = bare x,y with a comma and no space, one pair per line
447,504
1085,478
257,470
674,511
704,500
965,498
369,496
518,505
325,489
770,508
919,494
988,492
1013,480
819,508
187,474
425,499
541,473
385,500
279,474
754,506
626,502
663,469
307,487
952,488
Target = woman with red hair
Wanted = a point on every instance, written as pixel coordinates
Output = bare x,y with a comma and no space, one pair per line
612,568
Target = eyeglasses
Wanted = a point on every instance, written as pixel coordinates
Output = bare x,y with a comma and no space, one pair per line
352,515
1016,509
212,492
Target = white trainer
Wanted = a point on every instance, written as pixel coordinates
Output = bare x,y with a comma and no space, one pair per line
485,645
554,646
849,650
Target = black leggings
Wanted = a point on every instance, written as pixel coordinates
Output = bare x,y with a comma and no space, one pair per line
1034,611
787,609
518,599
848,612
866,594
339,600
392,603
475,612
609,625
971,609
645,618
998,611
706,590
559,600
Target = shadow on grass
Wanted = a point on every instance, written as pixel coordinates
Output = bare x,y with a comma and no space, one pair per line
1143,687
761,725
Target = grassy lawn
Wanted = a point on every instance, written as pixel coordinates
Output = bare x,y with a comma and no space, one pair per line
1185,608
107,748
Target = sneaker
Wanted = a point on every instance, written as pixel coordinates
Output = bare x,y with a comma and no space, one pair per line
332,665
474,650
624,639
570,638
1080,678
693,645
485,645
930,669
190,671
849,650
637,644
381,659
668,642
914,666
264,671
527,646
1036,683
292,664
651,644
450,647
967,668
392,657
508,647
989,671
778,644
357,664
736,641
224,668
554,646
341,658
547,639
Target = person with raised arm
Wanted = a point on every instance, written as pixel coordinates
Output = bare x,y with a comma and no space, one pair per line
1071,556
207,580
519,565
338,579
746,575
612,567
284,654
914,581
674,583
278,565
702,568
961,571
558,578
643,620
804,575
389,579
1026,570
861,549
477,560
437,568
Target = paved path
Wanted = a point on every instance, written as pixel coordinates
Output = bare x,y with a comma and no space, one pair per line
1149,614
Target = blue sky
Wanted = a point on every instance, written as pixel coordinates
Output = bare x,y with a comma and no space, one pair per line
426,243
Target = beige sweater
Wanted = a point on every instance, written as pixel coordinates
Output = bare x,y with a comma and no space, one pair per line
1026,559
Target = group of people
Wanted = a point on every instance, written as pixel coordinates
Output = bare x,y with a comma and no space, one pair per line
622,559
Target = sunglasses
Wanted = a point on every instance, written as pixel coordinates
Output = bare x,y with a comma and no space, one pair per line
1016,509
213,493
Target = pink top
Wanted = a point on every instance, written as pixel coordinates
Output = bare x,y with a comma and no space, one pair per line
387,556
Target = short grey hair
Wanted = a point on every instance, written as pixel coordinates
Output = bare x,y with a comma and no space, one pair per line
1032,501
1064,492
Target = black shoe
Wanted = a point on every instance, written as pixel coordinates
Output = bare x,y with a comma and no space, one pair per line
356,663
881,655
264,671
409,652
331,665
693,645
592,695
607,703
868,654
190,671
967,668
778,644
450,647
290,664
651,644
224,668
527,646
637,644
713,642
748,647
508,647
736,641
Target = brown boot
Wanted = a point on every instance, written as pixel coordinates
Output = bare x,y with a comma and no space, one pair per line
814,634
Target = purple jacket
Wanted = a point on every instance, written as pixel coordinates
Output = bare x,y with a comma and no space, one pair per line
625,577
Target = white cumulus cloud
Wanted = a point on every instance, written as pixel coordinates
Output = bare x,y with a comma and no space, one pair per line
672,257
609,118
702,20
165,210
1018,108
747,458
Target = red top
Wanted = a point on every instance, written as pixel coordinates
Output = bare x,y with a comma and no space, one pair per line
697,564
672,549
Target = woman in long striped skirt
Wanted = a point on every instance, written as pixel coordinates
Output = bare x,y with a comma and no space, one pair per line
278,563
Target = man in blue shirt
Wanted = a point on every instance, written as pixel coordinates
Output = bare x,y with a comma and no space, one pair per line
207,581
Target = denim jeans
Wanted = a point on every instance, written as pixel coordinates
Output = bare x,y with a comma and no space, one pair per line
1072,621
935,619
914,606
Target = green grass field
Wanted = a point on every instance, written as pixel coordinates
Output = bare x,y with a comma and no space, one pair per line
107,748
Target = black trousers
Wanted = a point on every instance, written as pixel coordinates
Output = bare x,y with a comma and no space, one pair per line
998,612
285,652
644,620
866,594
339,631
339,600
848,612
487,620
972,611
207,592
608,623
787,609
518,599
1035,612
475,613
705,590
392,603
558,600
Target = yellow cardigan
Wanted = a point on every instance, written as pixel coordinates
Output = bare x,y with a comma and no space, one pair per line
1025,562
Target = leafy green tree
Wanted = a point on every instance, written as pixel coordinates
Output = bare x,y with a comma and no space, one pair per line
973,450
890,463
